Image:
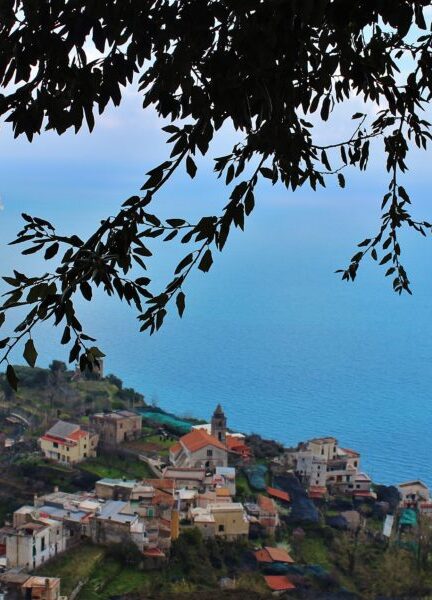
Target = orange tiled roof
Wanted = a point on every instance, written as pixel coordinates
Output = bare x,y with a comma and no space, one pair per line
266,504
269,554
52,438
279,583
235,445
198,438
262,556
154,552
279,494
77,435
163,498
317,492
160,484
175,448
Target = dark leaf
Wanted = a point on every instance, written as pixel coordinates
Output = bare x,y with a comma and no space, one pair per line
206,261
180,302
11,377
30,353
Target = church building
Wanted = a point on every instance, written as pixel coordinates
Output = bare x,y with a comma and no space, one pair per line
207,446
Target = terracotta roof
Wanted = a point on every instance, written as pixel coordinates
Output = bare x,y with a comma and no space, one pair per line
237,445
266,504
154,552
279,494
160,484
279,583
269,554
317,491
364,494
163,498
77,435
262,556
198,438
175,448
57,440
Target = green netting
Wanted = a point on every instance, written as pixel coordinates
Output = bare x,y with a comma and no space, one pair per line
408,517
257,476
166,419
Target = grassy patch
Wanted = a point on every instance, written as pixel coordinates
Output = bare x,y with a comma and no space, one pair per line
115,467
314,551
73,566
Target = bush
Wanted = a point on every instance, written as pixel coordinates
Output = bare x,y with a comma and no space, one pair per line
126,553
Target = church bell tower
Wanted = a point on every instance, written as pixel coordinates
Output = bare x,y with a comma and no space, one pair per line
218,424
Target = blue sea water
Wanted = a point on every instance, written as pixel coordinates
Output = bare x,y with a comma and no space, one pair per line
271,332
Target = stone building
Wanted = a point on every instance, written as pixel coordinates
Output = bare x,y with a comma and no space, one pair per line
221,519
116,427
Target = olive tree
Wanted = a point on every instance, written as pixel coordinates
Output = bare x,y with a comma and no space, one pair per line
272,70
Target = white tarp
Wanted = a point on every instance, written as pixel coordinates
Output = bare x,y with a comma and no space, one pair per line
388,525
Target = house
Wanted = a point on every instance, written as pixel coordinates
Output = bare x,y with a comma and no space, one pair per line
34,542
224,519
115,523
41,588
22,586
279,584
269,554
320,462
189,477
67,443
413,492
204,521
115,489
200,450
268,515
116,427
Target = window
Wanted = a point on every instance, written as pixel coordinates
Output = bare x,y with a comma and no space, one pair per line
55,444
358,486
221,528
209,452
356,463
67,449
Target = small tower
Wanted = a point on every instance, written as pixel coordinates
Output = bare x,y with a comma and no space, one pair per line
218,424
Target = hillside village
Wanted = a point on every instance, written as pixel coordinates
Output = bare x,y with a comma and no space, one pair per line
178,512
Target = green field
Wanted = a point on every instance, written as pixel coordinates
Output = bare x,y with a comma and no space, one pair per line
73,566
115,467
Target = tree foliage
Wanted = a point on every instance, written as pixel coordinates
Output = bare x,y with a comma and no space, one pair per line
270,69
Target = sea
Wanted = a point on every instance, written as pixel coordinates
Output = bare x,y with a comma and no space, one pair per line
271,332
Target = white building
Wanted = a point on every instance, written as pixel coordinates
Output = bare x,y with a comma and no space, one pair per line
413,492
31,544
320,462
